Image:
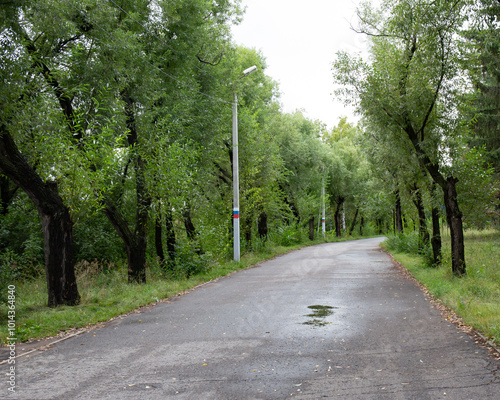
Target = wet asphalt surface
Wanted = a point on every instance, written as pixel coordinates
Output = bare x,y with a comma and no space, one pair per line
331,321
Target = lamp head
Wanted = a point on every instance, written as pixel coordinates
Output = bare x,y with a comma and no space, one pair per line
248,71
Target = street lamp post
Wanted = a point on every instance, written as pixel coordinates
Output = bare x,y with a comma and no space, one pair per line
236,178
323,216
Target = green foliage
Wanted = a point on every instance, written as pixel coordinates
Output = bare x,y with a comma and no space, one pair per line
410,243
95,239
189,262
288,235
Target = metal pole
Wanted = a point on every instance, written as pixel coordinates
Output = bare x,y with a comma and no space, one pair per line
236,184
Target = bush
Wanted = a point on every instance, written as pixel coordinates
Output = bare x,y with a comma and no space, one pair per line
410,243
189,261
405,243
287,235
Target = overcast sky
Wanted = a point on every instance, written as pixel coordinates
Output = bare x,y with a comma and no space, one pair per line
299,40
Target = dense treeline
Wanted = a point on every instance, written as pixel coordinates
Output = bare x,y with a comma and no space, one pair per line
115,136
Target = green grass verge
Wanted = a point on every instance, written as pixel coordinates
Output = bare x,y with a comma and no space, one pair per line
105,295
475,297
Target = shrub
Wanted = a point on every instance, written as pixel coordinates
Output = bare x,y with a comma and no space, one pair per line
410,243
288,235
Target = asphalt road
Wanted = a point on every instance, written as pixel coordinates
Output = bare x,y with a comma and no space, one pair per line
329,321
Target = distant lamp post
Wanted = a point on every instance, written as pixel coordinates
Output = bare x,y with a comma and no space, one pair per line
236,178
323,216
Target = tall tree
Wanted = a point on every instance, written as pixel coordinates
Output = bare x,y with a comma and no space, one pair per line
408,88
27,71
483,64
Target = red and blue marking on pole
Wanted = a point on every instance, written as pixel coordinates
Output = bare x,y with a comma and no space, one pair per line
323,220
236,214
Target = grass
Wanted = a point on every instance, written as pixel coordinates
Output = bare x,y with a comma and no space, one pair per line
475,297
105,294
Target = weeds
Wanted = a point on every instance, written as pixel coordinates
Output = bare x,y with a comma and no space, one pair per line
474,297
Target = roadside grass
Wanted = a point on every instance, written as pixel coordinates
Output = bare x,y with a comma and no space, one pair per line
105,293
475,297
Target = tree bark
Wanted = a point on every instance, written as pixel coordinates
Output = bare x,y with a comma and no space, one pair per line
454,218
262,225
436,237
311,228
351,230
158,239
399,213
422,220
56,222
135,244
337,217
188,224
191,230
7,193
171,242
453,213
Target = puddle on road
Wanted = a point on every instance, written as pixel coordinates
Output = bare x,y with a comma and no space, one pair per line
318,315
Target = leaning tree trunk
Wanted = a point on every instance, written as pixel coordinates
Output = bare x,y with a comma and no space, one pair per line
135,244
7,193
56,222
453,213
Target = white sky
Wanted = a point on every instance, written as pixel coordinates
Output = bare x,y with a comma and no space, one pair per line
299,39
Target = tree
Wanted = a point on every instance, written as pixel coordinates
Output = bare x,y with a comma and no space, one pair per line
346,169
409,89
25,73
482,49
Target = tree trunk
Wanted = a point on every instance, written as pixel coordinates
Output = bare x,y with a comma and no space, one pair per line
171,242
262,225
436,237
422,220
158,239
135,244
454,218
453,214
188,224
351,230
135,241
7,192
58,246
56,222
399,213
191,230
311,228
136,255
361,224
337,217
